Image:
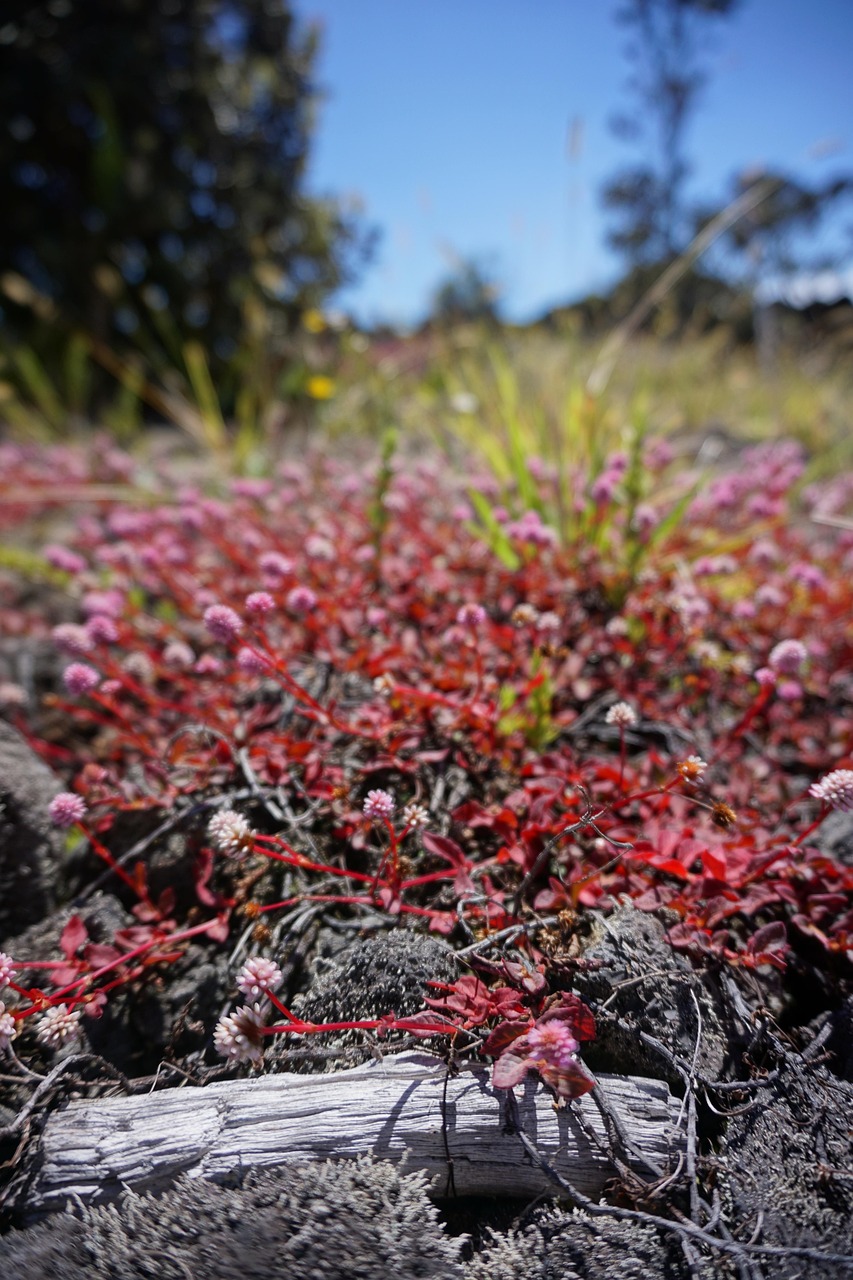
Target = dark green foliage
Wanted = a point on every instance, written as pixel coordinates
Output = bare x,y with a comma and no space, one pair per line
151,164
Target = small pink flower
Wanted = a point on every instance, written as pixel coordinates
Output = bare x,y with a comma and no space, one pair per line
80,678
789,690
251,663
72,639
178,655
61,558
552,1043
835,789
378,804
766,677
7,969
223,623
102,629
259,976
260,602
66,809
207,665
274,565
301,600
471,616
788,656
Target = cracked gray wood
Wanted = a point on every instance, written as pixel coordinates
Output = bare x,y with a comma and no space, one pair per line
392,1108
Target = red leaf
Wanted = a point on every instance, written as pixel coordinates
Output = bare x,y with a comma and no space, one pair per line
445,848
569,1081
72,937
503,1036
510,1069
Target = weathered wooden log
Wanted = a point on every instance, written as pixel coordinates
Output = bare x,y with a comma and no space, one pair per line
403,1105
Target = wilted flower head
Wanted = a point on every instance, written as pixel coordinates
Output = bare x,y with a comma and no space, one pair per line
239,1036
229,832
836,790
66,809
257,976
378,804
58,1025
223,623
622,715
692,768
524,614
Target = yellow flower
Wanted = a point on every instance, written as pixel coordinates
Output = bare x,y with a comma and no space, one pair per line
314,321
320,387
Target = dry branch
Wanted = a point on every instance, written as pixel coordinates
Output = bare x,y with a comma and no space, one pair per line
401,1105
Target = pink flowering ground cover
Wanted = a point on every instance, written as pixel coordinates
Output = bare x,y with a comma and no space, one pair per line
376,691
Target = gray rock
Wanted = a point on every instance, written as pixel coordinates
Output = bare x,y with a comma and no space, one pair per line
653,989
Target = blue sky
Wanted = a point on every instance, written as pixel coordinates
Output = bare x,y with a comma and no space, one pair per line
449,121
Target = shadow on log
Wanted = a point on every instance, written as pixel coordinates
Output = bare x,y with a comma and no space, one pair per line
405,1105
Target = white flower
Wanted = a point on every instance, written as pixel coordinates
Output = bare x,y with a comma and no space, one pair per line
836,790
258,976
7,969
8,1027
621,714
238,1035
58,1025
415,815
229,832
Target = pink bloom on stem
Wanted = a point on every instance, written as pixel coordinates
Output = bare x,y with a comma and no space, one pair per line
102,629
378,804
471,616
239,1035
788,656
72,639
66,809
260,602
80,678
251,663
223,623
259,976
766,677
301,600
621,714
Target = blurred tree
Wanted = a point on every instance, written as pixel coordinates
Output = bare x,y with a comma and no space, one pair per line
469,292
779,239
152,154
652,219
